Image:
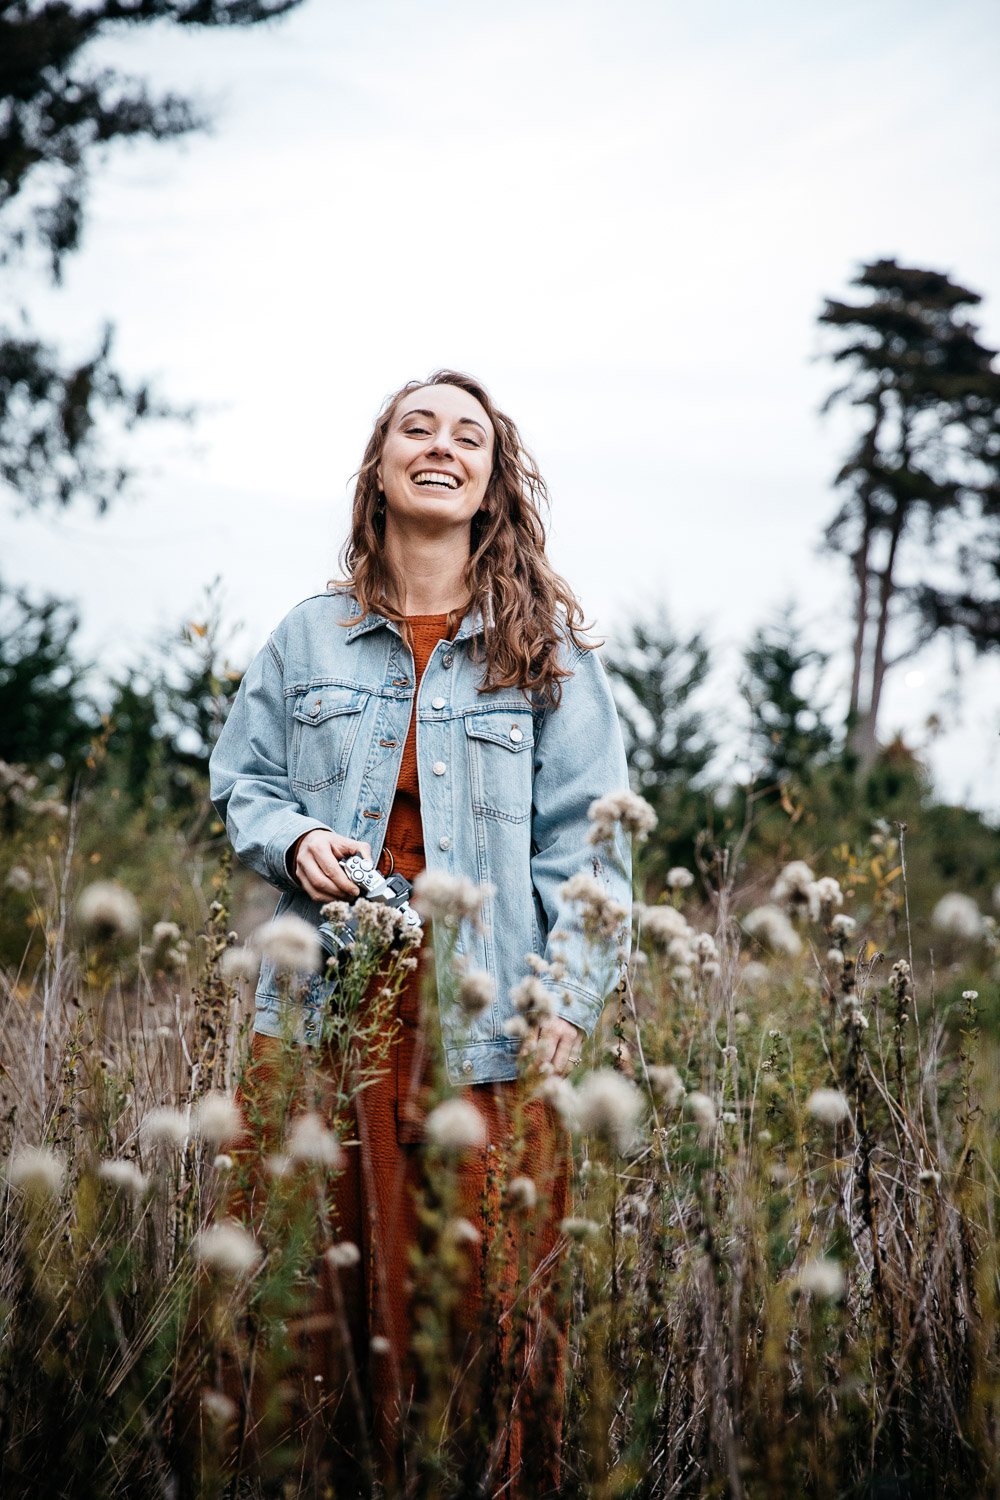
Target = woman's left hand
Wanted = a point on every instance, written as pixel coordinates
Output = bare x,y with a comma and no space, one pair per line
558,1043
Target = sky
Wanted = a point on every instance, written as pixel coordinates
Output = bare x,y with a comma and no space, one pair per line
622,218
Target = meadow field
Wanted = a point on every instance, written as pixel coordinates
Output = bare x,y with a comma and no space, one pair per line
782,1252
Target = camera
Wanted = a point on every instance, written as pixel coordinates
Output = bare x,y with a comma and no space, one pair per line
386,890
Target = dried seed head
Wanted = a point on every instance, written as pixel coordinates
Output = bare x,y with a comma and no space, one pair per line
291,944
609,1106
108,912
228,1249
829,1106
216,1119
679,879
344,1255
309,1140
771,928
823,1278
522,1194
165,1127
123,1175
239,963
36,1171
667,1084
440,897
959,917
456,1125
475,992
631,812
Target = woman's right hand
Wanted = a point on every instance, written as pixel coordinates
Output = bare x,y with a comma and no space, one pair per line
315,864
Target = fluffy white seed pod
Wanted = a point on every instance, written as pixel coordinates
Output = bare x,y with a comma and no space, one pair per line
228,1249
959,917
825,896
662,924
823,1278
379,1344
608,1105
631,812
343,1255
18,879
701,1108
667,1084
218,1409
165,1127
440,897
792,886
829,1106
575,1228
36,1171
239,963
597,908
123,1175
679,879
475,992
456,1125
107,911
522,1194
291,944
216,1118
462,1232
842,925
562,1096
770,926
309,1140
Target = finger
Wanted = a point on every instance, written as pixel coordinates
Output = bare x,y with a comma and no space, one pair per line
567,1055
321,870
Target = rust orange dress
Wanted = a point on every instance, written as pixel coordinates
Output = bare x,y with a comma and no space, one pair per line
377,1200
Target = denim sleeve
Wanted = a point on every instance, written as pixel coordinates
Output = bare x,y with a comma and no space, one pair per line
580,756
248,773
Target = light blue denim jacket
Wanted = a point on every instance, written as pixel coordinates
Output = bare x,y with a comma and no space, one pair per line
315,738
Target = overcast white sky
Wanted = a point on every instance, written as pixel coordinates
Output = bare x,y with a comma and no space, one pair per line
622,217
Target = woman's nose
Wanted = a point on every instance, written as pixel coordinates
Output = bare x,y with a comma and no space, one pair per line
440,445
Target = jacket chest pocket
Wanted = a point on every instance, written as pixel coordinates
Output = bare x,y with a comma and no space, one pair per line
325,723
500,761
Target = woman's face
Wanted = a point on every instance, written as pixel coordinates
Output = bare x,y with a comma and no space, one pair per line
437,457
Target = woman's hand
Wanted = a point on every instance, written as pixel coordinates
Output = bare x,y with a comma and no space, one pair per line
558,1043
315,864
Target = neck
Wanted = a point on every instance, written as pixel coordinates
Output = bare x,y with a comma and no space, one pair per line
429,570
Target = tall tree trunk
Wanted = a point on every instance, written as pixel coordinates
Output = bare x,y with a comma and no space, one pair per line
868,749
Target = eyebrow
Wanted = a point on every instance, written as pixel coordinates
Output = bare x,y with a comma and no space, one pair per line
422,411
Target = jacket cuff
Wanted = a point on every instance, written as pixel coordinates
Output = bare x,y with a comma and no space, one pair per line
573,1003
291,828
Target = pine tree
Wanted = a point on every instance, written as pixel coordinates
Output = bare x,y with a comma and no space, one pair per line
60,115
657,677
790,732
924,472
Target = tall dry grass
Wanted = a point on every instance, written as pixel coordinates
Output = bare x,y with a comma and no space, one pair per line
781,1263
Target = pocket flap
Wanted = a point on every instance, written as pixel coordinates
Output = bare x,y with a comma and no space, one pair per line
512,730
322,703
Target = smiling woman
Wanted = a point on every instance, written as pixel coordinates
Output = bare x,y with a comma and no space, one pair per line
441,704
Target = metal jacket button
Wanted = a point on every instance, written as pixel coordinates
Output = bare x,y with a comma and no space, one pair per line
439,768
447,661
444,842
467,1065
516,735
437,703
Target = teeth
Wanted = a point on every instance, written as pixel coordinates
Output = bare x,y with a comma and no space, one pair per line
433,477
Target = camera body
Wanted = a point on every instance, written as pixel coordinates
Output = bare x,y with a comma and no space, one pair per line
392,890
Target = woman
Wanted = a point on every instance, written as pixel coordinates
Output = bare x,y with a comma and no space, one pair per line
443,706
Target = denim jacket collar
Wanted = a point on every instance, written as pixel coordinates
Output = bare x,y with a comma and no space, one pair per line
472,624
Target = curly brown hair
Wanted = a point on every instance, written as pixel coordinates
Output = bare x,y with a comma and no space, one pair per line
528,610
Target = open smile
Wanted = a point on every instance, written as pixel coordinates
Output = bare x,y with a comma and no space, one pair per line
436,479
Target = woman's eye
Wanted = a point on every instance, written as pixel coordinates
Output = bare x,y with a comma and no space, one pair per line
471,442
415,431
